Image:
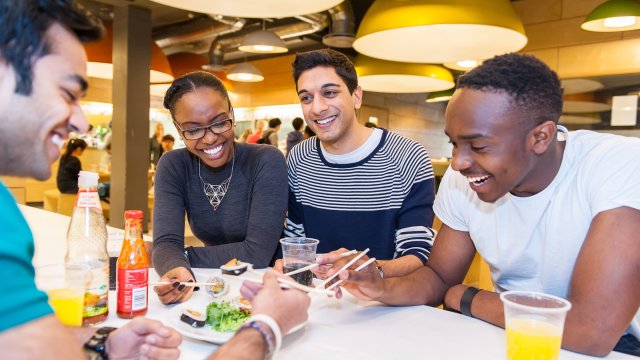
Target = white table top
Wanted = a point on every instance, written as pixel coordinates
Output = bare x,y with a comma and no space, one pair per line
337,329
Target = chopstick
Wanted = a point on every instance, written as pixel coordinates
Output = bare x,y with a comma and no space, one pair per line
351,262
311,266
364,265
285,284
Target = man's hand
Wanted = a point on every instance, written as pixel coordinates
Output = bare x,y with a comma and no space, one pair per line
365,284
143,338
174,292
287,307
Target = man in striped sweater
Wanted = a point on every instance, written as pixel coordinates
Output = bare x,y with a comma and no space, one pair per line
351,186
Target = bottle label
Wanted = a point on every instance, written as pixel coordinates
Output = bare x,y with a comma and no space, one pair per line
88,199
96,297
132,289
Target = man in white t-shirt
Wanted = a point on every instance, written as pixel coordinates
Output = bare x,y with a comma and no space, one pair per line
549,211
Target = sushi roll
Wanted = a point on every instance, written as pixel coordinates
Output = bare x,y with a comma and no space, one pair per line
234,267
243,304
193,318
218,288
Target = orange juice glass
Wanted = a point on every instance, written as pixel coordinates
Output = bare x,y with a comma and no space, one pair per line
65,285
534,323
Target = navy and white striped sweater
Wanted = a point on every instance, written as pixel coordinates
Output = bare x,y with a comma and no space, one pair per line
383,202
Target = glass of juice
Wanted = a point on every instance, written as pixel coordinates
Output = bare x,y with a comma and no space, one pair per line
298,252
534,323
65,285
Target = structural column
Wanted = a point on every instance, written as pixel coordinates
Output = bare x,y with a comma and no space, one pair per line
130,126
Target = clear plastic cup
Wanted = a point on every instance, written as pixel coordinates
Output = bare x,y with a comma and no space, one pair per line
534,323
298,252
65,285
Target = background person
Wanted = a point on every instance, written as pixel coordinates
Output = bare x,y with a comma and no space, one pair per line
70,166
155,144
167,143
295,136
270,136
245,134
234,195
549,210
257,134
42,78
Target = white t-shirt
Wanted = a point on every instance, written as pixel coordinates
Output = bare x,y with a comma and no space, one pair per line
531,243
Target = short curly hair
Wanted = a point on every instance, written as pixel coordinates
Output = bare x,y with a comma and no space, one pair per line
534,88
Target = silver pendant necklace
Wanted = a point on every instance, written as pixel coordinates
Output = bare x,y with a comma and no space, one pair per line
215,193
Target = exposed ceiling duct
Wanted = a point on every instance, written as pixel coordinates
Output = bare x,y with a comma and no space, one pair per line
219,36
343,26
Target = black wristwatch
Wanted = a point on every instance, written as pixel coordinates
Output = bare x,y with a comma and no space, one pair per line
95,347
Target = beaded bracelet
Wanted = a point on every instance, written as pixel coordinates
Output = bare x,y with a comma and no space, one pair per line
269,330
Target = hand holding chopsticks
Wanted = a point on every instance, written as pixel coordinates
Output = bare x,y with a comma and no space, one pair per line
311,266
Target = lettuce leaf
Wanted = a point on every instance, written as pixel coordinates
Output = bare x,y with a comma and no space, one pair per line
223,316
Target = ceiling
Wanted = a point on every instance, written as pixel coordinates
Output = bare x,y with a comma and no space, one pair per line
177,30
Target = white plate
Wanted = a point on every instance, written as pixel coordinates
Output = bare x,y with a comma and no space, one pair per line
199,302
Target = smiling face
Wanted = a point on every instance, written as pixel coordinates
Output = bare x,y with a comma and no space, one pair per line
492,146
203,107
33,127
329,109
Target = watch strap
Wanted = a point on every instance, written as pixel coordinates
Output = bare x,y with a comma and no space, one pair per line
95,346
467,299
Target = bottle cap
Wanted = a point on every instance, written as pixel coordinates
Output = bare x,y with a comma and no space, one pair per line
88,179
133,214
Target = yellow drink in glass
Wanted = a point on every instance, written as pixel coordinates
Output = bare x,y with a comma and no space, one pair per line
529,339
68,305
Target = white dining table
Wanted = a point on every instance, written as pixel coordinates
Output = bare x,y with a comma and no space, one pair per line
337,328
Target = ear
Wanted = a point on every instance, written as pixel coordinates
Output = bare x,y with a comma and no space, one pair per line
543,136
357,97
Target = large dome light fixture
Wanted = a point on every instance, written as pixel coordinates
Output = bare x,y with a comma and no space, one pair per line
614,15
393,77
245,72
260,9
436,31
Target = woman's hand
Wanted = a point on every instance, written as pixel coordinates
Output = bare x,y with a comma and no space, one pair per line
174,292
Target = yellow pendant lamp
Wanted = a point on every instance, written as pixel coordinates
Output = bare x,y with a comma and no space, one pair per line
438,31
393,77
253,8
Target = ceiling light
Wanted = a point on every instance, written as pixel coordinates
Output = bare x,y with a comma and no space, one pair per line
439,31
396,77
462,65
263,42
439,96
253,8
614,15
99,56
245,72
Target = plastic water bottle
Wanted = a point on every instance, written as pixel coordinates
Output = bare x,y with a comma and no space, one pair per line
87,244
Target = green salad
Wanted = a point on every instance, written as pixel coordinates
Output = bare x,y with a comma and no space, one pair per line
223,316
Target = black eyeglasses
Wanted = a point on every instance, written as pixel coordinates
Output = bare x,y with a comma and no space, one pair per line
198,133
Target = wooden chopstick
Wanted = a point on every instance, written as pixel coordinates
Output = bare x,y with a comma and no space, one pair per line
285,284
351,262
364,265
311,266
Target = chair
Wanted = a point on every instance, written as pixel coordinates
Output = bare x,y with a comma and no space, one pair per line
55,201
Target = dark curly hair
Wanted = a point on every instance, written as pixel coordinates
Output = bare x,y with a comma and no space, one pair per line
25,22
329,58
534,88
190,82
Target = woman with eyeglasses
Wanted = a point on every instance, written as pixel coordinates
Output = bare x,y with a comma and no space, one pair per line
234,194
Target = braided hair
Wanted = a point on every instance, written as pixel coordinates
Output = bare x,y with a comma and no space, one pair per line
72,145
190,82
